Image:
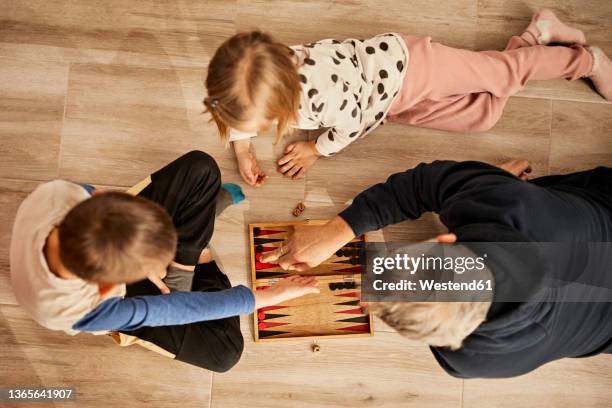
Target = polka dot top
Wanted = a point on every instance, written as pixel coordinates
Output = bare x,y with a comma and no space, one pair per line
347,87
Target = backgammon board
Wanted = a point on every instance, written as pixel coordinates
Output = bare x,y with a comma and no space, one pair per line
334,312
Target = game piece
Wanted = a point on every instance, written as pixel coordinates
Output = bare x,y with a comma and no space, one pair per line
299,209
335,311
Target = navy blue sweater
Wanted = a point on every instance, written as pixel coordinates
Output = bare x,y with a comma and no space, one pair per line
480,202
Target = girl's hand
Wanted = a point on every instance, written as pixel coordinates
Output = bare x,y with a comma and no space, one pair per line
298,158
247,164
250,171
286,289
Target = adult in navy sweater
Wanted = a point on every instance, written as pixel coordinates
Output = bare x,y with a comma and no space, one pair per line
481,202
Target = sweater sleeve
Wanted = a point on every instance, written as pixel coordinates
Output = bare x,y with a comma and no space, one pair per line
172,309
347,126
235,134
409,194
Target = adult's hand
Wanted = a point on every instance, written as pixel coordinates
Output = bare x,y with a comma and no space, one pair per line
311,245
520,168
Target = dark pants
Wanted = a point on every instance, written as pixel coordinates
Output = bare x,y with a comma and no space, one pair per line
187,188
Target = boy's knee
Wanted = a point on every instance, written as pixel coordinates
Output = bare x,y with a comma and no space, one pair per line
217,348
228,357
200,159
201,164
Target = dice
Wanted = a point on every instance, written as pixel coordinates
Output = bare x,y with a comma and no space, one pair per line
299,209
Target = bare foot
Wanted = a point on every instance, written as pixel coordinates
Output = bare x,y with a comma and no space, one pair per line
602,73
546,28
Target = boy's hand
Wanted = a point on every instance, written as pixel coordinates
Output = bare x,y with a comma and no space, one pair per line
298,158
286,289
156,278
247,164
520,168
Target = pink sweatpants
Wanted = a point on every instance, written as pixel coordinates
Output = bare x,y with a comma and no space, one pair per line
459,90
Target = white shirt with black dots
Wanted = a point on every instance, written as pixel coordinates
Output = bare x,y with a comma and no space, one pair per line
347,87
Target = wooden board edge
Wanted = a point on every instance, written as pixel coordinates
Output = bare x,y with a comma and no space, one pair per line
253,280
138,187
292,223
371,323
365,241
323,336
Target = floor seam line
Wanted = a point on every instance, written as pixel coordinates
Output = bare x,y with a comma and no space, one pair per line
210,397
61,139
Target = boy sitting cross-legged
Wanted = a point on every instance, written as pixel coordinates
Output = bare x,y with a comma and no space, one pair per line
86,260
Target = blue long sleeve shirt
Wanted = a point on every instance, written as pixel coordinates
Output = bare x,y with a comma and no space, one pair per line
172,309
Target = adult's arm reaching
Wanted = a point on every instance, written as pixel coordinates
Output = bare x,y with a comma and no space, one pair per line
403,196
425,188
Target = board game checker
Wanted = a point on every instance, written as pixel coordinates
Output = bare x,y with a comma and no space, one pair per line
334,312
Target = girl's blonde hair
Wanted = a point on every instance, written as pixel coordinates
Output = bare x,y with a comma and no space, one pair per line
251,76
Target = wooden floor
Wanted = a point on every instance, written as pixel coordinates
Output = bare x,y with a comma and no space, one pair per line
106,91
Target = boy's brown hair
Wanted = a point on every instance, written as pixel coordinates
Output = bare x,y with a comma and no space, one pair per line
251,75
115,237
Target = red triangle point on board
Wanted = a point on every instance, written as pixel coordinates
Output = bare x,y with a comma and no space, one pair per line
259,266
265,309
268,232
267,325
360,328
350,294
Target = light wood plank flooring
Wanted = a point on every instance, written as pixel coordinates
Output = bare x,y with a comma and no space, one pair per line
108,91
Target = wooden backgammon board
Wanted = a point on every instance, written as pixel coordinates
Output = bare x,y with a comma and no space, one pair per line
334,312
